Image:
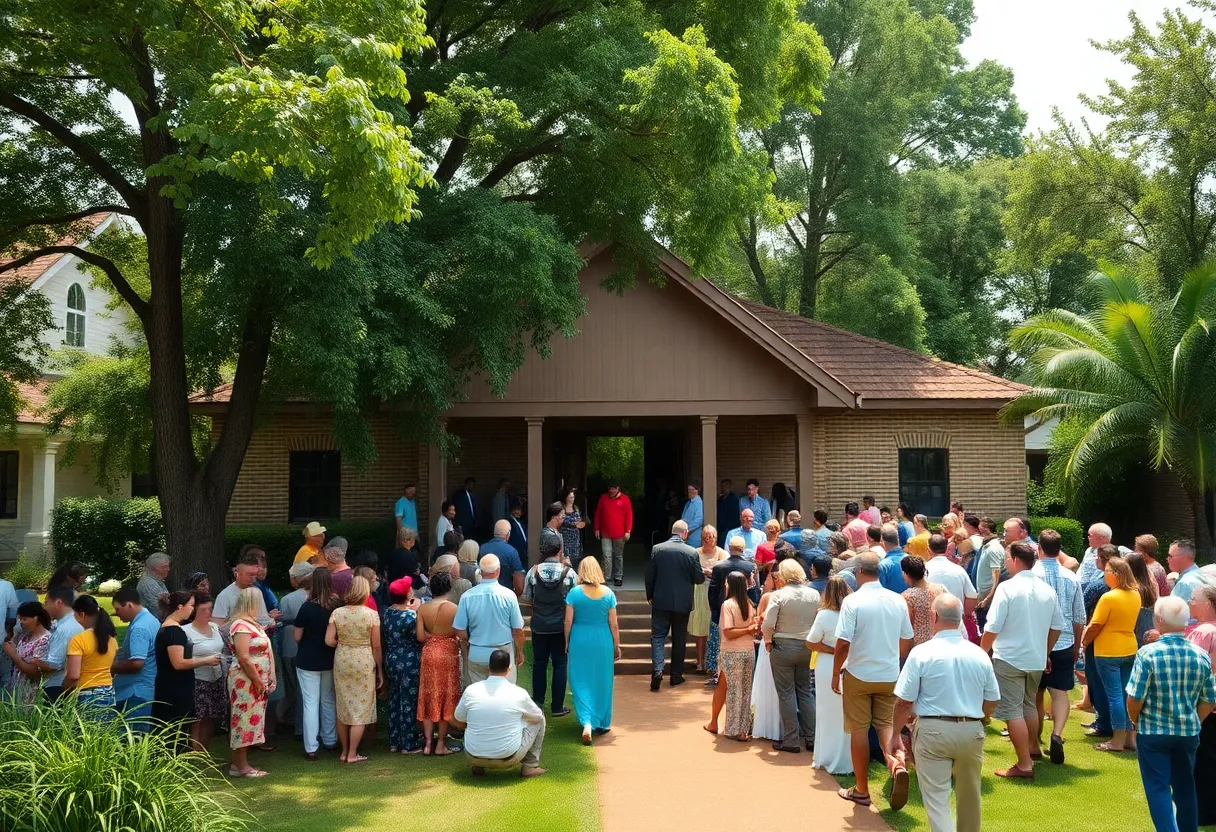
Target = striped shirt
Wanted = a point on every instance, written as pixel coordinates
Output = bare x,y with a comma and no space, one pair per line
1068,593
1170,676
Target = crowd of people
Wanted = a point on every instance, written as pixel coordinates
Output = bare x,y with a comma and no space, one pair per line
879,638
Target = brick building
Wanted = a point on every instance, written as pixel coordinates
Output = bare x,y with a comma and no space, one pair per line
718,388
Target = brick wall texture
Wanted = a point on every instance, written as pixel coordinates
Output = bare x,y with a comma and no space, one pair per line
855,453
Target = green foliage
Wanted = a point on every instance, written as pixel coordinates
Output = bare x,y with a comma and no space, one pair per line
1141,190
114,537
622,458
282,542
875,300
28,572
1133,381
1072,533
1044,499
62,771
24,318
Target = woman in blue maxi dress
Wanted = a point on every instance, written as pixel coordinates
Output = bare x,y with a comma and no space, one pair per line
593,641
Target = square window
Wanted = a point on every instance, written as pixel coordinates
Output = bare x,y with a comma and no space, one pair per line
924,480
314,486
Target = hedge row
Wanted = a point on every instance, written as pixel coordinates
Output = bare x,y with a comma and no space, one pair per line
114,537
1072,533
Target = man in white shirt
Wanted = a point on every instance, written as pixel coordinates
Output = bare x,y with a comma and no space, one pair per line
950,685
1060,677
503,727
873,633
1023,625
939,569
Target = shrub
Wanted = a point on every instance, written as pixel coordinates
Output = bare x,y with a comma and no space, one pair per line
113,537
28,573
1072,533
60,771
281,543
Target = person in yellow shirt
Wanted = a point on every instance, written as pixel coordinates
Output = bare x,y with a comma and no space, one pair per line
314,539
918,543
90,656
1112,631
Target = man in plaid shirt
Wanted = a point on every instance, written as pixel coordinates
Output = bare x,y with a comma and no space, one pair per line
1171,691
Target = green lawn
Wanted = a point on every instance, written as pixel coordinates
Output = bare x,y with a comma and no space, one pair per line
397,790
1093,791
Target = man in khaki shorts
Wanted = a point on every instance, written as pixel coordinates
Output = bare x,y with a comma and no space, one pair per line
873,633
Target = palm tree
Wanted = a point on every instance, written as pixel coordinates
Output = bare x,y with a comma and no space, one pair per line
1136,378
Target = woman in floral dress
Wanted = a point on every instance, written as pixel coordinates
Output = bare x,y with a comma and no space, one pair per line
354,630
572,528
402,660
29,646
439,680
250,681
919,596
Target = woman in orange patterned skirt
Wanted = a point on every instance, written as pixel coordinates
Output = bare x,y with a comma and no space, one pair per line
439,679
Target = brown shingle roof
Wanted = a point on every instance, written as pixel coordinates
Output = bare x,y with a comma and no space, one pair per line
878,370
34,396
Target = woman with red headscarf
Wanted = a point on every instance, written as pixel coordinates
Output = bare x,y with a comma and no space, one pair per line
402,660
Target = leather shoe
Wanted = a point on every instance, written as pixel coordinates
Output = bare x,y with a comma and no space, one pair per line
676,681
810,746
561,712
789,749
656,680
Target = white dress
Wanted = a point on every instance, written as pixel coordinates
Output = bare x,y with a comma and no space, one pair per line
831,742
766,710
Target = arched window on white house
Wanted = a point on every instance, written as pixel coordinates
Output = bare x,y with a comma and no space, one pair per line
74,336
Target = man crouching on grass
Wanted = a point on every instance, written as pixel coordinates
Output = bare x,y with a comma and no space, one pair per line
503,727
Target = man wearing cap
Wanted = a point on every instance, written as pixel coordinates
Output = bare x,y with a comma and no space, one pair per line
314,539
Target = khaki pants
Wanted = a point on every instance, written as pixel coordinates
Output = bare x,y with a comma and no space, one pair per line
943,748
528,754
480,671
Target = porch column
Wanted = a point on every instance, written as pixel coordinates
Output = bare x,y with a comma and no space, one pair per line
536,486
42,499
436,484
806,465
709,472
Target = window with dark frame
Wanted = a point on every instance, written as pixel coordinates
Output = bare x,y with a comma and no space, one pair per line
314,486
924,480
8,483
74,325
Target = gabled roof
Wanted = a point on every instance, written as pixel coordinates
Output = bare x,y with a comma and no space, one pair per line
36,271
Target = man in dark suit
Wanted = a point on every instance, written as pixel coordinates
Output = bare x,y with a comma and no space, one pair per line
728,507
466,509
673,569
519,534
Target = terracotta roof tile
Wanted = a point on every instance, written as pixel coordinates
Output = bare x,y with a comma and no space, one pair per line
34,396
31,271
878,370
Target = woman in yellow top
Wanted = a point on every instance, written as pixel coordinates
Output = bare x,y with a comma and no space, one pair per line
90,655
1112,631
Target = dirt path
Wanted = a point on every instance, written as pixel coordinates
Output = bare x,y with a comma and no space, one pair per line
658,770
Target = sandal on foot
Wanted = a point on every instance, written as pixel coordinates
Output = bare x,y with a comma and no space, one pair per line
851,794
899,788
249,772
713,731
1014,773
358,758
1105,746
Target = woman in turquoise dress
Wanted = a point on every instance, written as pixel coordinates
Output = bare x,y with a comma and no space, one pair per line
403,660
594,645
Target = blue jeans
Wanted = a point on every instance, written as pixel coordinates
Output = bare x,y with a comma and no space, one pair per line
137,711
1097,693
1168,762
1115,673
663,622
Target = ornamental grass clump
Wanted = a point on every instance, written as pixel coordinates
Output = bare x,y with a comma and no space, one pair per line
62,772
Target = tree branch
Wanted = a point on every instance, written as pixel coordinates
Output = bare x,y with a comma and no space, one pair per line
83,150
78,215
452,159
476,25
138,305
513,160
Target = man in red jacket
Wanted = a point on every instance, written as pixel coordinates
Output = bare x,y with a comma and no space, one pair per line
613,525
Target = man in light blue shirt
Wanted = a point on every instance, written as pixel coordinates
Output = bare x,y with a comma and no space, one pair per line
694,513
793,535
752,501
1099,535
63,626
890,572
1182,560
134,667
488,619
752,537
406,510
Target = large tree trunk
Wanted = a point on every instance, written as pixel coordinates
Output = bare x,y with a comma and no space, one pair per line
810,275
1203,528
